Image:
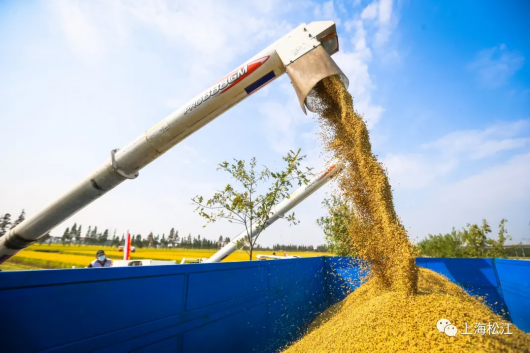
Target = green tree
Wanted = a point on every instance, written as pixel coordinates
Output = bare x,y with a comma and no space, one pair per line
171,237
336,225
72,234
137,241
150,240
94,236
44,238
20,219
4,223
247,206
88,235
104,237
442,245
66,236
78,235
497,246
475,239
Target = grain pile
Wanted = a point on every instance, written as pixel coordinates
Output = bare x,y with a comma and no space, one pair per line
371,320
376,230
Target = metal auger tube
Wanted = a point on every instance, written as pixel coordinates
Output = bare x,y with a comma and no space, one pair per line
304,54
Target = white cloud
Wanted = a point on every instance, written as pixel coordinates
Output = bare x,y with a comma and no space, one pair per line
81,33
506,183
441,157
415,171
281,125
381,14
495,66
327,11
94,29
478,144
355,66
370,11
501,191
385,11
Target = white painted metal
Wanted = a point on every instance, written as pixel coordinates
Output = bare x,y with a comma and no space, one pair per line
276,257
147,262
189,260
281,209
126,163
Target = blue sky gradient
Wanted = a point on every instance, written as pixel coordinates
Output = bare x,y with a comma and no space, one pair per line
444,86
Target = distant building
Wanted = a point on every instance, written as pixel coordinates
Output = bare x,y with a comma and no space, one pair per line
54,240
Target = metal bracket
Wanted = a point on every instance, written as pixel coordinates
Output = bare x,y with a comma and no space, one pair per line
116,168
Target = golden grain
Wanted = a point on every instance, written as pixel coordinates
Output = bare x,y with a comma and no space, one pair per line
371,320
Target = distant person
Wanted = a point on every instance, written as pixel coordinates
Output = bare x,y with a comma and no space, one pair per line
101,260
274,253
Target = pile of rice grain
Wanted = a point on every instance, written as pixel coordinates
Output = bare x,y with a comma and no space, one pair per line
371,320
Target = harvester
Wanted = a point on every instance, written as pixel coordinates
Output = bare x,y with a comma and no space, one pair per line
304,54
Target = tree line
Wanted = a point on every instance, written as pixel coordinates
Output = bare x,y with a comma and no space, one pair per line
292,247
75,235
6,224
72,235
470,241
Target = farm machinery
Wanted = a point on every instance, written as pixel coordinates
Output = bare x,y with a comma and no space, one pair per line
304,54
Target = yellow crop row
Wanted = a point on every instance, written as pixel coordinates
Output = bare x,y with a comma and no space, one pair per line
78,260
83,255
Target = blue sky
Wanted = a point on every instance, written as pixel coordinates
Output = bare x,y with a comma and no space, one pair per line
444,86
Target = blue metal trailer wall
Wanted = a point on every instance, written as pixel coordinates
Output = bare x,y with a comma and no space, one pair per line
475,276
226,307
514,279
505,284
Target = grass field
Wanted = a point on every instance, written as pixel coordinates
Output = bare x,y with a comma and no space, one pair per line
64,256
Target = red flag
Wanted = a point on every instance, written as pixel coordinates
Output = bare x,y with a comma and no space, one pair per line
127,249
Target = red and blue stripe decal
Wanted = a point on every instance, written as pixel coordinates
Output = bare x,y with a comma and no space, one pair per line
260,82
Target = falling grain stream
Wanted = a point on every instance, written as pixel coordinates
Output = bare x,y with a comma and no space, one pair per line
398,306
